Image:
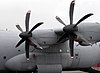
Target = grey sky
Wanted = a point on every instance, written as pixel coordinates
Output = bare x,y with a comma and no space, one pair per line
13,12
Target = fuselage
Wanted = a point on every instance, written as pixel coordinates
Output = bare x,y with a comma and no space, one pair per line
12,58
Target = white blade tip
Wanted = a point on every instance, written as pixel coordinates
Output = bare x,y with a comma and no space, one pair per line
72,57
41,48
27,59
29,11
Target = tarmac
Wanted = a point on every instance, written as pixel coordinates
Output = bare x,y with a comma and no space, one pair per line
73,72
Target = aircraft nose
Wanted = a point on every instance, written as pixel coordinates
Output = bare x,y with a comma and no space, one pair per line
19,63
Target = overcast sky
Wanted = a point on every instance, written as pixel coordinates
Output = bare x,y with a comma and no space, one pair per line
13,12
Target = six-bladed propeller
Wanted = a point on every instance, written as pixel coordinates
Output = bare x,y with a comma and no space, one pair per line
26,36
70,30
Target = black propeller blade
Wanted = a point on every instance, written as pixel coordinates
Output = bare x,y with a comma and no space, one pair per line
71,45
70,30
27,49
20,42
37,25
71,11
63,36
60,20
25,36
27,20
83,18
19,28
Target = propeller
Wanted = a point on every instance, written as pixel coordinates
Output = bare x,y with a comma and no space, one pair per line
70,30
26,36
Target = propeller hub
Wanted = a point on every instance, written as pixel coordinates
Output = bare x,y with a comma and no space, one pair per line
25,35
70,29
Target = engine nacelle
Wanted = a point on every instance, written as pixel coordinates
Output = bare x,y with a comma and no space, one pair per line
84,44
19,63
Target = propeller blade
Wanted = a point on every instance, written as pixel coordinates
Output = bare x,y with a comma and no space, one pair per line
83,18
27,20
62,37
19,28
20,42
37,25
71,45
71,11
27,35
81,36
35,44
27,49
60,20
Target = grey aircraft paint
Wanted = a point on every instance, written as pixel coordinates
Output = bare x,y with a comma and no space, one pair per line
53,55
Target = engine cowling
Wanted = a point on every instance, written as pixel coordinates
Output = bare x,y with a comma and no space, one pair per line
19,63
84,43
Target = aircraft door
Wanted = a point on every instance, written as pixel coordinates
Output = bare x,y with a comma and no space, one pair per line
75,61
